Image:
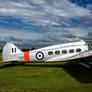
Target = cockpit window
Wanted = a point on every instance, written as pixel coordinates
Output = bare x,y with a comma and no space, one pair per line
89,43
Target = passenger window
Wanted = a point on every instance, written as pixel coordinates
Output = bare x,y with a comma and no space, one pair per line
78,50
64,51
57,52
71,50
50,53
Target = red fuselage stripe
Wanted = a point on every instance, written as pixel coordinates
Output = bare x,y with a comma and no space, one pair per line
26,57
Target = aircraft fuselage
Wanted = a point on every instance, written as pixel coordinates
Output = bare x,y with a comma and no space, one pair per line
60,52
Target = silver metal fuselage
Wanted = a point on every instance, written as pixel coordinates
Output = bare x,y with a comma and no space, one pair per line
55,57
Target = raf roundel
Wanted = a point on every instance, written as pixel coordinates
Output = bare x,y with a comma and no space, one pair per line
39,55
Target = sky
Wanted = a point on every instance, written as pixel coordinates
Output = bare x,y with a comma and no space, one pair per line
40,23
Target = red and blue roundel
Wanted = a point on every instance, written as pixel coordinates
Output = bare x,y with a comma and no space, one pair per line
39,55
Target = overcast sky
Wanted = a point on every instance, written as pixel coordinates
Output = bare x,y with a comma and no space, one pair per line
45,22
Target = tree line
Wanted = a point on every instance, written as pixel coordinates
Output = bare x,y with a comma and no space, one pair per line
24,49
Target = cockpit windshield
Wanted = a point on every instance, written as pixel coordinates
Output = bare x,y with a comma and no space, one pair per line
89,43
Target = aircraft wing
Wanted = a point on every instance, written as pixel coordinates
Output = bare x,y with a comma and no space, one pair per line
87,53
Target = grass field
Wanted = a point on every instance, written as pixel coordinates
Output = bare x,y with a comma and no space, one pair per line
45,77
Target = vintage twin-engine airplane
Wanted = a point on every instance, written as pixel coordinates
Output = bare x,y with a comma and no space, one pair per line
55,53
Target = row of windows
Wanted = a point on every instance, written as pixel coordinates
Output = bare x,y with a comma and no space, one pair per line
64,51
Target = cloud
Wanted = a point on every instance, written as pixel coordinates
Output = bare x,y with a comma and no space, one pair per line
89,36
89,6
24,38
46,36
22,34
43,39
87,21
42,12
43,22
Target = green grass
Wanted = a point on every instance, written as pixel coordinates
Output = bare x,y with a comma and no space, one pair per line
45,77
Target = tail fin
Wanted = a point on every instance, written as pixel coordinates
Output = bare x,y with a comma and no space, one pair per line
8,49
